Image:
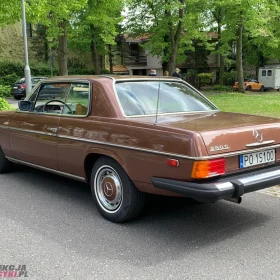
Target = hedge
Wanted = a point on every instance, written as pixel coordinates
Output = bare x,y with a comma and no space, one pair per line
4,105
11,71
5,91
205,78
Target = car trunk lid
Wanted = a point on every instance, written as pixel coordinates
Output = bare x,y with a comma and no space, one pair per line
226,132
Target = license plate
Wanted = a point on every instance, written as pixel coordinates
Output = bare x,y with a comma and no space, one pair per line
14,87
256,158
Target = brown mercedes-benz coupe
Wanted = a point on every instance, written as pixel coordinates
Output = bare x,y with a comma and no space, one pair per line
127,136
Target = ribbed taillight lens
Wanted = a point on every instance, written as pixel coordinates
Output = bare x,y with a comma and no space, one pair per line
208,168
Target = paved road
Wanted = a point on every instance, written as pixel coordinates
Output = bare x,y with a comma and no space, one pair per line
12,102
51,225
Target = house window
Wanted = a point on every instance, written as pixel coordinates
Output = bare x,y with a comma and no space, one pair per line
269,73
28,30
263,73
134,49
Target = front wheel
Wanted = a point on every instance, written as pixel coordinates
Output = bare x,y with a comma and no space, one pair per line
262,89
115,195
16,97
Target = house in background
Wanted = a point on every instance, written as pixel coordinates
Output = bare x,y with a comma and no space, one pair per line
135,59
138,61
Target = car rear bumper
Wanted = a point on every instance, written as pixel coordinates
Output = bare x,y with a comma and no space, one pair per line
16,92
230,187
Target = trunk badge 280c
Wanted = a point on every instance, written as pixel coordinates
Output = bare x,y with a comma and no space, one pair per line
219,148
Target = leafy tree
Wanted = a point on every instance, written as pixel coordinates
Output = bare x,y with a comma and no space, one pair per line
95,29
10,12
56,15
40,44
165,21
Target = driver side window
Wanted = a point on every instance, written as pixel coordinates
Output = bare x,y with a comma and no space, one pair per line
51,98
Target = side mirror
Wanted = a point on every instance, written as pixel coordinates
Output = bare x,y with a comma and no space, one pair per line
25,105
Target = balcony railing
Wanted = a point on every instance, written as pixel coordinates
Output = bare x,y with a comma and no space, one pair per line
139,60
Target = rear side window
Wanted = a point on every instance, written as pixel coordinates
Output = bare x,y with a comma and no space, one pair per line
263,73
269,73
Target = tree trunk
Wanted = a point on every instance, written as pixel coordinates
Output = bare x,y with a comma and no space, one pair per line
222,61
175,38
239,64
222,70
62,50
95,58
94,52
110,58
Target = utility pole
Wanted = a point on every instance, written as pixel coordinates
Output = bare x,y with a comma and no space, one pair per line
27,74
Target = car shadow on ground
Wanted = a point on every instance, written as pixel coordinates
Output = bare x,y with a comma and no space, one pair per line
62,210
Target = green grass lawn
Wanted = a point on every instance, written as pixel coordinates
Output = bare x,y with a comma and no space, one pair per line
265,104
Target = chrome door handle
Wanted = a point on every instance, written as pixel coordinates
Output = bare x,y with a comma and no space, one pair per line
52,129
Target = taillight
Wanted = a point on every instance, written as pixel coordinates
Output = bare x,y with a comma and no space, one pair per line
22,86
208,168
245,84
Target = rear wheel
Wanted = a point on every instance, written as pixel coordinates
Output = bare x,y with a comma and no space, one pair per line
262,89
17,97
5,165
249,88
115,195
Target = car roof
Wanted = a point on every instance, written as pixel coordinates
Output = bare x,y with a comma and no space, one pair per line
112,77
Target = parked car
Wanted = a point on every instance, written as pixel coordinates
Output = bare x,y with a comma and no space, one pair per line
18,88
128,136
250,85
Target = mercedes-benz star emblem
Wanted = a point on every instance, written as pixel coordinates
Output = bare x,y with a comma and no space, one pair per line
108,189
258,136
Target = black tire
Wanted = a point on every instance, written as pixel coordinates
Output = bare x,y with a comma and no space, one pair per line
115,195
262,89
5,165
17,97
249,88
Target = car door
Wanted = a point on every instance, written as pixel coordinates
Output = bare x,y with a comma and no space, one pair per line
72,127
33,134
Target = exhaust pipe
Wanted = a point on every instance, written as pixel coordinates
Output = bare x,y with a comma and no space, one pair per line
235,200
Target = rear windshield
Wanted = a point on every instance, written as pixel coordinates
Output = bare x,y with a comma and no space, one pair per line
144,97
20,81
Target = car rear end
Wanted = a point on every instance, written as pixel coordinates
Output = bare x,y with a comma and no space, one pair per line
238,160
18,89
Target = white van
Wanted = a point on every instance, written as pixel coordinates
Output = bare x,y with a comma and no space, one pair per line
269,76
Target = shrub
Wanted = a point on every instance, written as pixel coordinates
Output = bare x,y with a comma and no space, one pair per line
221,88
4,105
8,80
85,71
205,78
9,67
4,91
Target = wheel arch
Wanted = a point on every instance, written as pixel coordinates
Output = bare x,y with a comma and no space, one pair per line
94,154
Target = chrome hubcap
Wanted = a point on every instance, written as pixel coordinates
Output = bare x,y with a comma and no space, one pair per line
108,189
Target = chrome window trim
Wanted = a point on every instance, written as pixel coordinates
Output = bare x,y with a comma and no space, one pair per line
158,80
142,149
47,169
